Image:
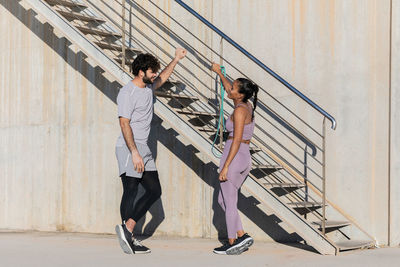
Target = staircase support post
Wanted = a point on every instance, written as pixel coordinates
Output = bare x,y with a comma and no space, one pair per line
221,122
123,34
323,175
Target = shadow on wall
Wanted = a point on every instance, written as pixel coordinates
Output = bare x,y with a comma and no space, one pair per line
207,172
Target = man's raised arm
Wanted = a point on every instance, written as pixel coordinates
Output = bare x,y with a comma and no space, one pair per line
166,73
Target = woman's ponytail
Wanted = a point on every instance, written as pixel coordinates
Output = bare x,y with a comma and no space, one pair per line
255,99
248,89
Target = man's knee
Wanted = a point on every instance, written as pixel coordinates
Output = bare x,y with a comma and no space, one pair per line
155,193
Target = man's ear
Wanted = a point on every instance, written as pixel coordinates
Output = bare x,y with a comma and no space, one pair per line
141,74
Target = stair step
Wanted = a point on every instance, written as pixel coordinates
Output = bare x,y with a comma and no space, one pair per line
116,47
255,150
127,61
206,130
282,189
177,96
261,171
78,16
332,224
305,204
174,81
66,3
267,167
94,31
198,113
304,207
284,185
354,244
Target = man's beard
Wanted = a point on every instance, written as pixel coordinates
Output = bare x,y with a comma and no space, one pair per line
147,80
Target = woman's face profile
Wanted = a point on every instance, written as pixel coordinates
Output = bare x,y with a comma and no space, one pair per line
234,92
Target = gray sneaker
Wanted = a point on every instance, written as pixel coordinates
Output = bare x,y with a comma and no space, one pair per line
124,238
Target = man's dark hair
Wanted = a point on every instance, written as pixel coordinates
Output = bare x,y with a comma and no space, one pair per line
144,62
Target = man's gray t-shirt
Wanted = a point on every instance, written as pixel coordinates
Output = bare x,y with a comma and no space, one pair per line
132,98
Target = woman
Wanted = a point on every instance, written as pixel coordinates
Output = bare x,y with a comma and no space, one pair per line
235,163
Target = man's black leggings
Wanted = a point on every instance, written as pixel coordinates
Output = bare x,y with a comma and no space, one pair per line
152,186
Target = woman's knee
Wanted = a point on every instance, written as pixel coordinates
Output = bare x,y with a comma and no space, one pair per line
231,207
230,203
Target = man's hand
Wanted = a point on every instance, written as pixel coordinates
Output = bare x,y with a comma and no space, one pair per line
180,53
215,68
137,162
164,75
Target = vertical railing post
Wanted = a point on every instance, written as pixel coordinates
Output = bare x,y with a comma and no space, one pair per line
221,121
123,34
305,178
323,175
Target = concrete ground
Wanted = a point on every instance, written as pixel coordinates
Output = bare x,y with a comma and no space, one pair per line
77,249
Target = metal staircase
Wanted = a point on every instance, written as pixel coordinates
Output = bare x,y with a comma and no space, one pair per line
294,188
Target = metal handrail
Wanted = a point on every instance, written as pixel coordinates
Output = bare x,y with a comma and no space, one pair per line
259,63
193,87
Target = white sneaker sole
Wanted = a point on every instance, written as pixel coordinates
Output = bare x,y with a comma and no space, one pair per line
241,247
122,240
142,252
219,252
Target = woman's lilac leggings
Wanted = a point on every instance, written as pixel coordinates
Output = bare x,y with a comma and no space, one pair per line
228,194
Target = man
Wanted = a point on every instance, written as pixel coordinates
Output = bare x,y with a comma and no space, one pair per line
135,161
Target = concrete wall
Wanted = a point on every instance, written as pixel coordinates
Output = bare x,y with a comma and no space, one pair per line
394,222
58,125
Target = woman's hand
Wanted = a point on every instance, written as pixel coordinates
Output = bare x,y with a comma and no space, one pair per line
215,68
222,175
